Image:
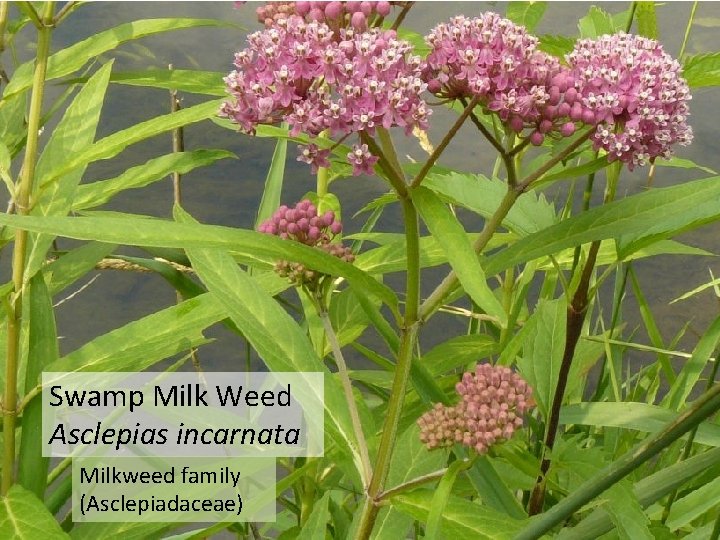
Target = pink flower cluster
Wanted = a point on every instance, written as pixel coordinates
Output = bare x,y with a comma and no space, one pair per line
358,15
302,224
317,79
493,402
635,93
498,62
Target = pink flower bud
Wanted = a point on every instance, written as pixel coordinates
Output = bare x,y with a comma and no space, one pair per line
302,8
366,8
536,138
358,21
567,129
383,8
334,10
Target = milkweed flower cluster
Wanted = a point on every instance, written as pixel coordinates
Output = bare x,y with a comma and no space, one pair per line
635,91
498,62
493,401
317,80
318,70
302,224
625,85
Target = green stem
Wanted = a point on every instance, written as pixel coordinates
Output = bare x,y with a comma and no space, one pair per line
22,203
703,408
4,9
323,176
366,468
388,148
575,319
402,372
411,484
687,30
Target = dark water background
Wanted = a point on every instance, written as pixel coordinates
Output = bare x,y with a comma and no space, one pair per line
228,192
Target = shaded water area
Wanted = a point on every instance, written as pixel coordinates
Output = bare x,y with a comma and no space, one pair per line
228,192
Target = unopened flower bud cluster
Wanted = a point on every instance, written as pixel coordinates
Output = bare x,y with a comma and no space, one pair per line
493,401
302,224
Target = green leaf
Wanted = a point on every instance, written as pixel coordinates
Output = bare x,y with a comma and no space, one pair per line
694,505
182,80
459,351
410,460
648,216
624,509
446,229
275,335
161,233
113,144
492,489
647,21
100,192
347,317
74,134
76,56
683,163
693,368
441,497
637,416
596,23
544,344
24,517
531,213
144,342
316,525
461,518
42,350
648,490
556,45
527,14
74,264
702,69
273,183
572,172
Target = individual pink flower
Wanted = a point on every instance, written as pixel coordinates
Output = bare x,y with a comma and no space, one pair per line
361,160
313,156
635,93
493,401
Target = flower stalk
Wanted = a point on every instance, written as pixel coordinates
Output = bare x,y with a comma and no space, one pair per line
23,201
408,339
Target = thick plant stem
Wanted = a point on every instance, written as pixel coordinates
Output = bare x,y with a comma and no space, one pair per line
366,468
23,200
575,319
402,373
707,405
